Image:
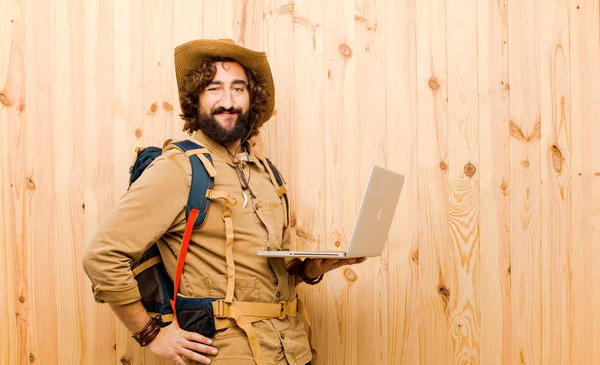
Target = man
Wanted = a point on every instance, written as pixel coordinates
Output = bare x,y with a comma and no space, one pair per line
226,94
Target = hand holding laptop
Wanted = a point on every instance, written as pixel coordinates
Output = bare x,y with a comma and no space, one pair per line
313,268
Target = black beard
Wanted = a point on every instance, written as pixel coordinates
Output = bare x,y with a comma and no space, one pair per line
212,129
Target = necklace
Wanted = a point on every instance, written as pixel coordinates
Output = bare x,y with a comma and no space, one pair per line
244,183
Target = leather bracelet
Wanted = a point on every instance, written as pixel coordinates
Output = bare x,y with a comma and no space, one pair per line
147,334
306,279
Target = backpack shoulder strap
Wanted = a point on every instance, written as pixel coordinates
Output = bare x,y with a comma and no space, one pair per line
203,173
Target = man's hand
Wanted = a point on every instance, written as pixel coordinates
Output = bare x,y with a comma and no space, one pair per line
313,268
172,343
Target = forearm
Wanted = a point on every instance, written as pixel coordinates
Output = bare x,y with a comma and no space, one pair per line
133,315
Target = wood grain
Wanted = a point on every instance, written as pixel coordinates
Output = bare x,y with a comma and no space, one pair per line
435,252
555,145
401,131
525,166
464,199
14,279
585,176
371,95
494,175
488,107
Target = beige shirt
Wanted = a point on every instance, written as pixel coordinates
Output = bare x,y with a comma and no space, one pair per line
153,210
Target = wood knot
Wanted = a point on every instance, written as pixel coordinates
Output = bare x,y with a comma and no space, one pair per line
21,299
509,269
503,187
153,107
30,184
525,164
415,257
445,294
595,174
31,357
557,158
443,166
125,361
4,99
337,243
167,106
433,84
138,133
350,275
345,50
21,107
470,169
83,206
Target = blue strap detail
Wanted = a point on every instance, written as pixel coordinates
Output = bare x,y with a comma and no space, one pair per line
201,182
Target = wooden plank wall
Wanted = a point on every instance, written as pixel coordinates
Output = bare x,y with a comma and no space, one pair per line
490,109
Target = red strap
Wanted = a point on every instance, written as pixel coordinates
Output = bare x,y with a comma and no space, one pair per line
189,227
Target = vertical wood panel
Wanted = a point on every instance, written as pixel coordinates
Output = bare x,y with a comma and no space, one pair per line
14,280
585,133
525,166
556,182
463,161
494,164
434,253
41,220
370,148
68,168
400,72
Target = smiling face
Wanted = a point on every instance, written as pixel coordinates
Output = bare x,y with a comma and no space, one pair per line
225,101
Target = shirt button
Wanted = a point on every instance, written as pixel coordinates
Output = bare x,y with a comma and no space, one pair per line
278,294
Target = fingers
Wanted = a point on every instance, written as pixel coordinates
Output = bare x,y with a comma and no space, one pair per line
192,355
198,343
196,337
198,348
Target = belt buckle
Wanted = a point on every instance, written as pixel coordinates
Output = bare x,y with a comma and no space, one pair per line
221,309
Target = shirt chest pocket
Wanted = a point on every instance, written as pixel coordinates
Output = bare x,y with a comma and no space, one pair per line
272,216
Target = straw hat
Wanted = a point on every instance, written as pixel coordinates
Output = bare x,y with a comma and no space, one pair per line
188,55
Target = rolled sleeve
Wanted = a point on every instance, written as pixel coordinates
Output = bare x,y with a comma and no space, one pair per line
144,213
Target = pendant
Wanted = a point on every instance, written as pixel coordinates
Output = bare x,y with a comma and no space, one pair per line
245,198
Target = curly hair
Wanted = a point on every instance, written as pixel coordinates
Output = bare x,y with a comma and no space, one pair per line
196,81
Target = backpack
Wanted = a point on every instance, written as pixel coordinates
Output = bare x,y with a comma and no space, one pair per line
158,292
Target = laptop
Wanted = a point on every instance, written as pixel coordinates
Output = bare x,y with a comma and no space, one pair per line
372,226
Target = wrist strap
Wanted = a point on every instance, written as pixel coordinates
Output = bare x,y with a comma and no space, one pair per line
147,334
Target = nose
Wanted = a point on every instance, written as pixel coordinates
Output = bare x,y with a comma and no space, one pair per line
227,99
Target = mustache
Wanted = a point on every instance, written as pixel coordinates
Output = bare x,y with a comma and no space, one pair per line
220,110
